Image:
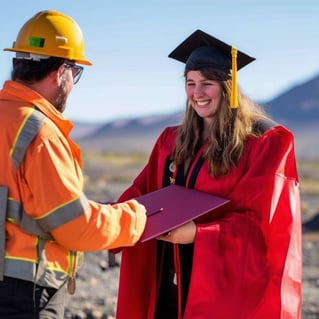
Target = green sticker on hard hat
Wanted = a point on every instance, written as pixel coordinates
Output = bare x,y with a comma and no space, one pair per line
36,42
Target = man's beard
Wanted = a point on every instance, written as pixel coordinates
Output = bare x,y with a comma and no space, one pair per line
60,101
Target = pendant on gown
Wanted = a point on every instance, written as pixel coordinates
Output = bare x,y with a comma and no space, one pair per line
172,168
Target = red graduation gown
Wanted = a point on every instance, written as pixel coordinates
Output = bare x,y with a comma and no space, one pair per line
247,263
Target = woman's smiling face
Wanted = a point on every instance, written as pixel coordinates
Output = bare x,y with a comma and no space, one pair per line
204,95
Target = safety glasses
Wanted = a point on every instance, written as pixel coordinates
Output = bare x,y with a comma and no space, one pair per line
77,71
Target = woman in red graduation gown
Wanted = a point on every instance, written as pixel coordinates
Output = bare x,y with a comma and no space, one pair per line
246,262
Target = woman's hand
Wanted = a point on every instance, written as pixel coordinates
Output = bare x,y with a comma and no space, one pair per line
184,234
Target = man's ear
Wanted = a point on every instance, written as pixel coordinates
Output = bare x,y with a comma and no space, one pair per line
57,75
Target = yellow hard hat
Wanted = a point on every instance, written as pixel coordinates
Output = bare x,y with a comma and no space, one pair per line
51,34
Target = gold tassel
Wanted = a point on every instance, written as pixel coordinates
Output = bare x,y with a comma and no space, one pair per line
234,92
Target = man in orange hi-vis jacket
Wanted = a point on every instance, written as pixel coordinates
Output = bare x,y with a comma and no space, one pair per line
46,219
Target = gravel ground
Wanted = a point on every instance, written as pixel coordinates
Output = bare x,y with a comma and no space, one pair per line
96,292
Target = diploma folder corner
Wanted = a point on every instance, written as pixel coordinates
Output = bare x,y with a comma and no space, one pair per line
173,206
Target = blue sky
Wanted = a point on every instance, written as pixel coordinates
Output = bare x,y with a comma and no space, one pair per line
128,43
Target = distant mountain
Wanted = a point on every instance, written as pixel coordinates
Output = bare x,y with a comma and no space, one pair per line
300,104
126,135
83,129
138,126
297,109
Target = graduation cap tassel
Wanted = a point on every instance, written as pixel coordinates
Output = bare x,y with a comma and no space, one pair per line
234,93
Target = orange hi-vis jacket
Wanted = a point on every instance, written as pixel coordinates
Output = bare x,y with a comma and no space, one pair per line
45,218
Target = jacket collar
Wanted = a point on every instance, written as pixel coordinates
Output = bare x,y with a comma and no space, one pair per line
19,92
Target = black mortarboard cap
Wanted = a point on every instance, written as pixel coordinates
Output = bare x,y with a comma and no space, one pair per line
201,50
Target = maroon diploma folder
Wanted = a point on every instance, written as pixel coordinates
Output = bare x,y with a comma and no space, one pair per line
172,206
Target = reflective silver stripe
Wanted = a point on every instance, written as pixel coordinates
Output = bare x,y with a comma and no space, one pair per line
17,216
27,133
64,214
41,269
3,209
26,270
42,226
14,210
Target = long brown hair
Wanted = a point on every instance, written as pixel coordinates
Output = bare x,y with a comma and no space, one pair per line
228,132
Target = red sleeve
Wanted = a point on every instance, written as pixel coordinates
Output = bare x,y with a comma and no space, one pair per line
253,254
